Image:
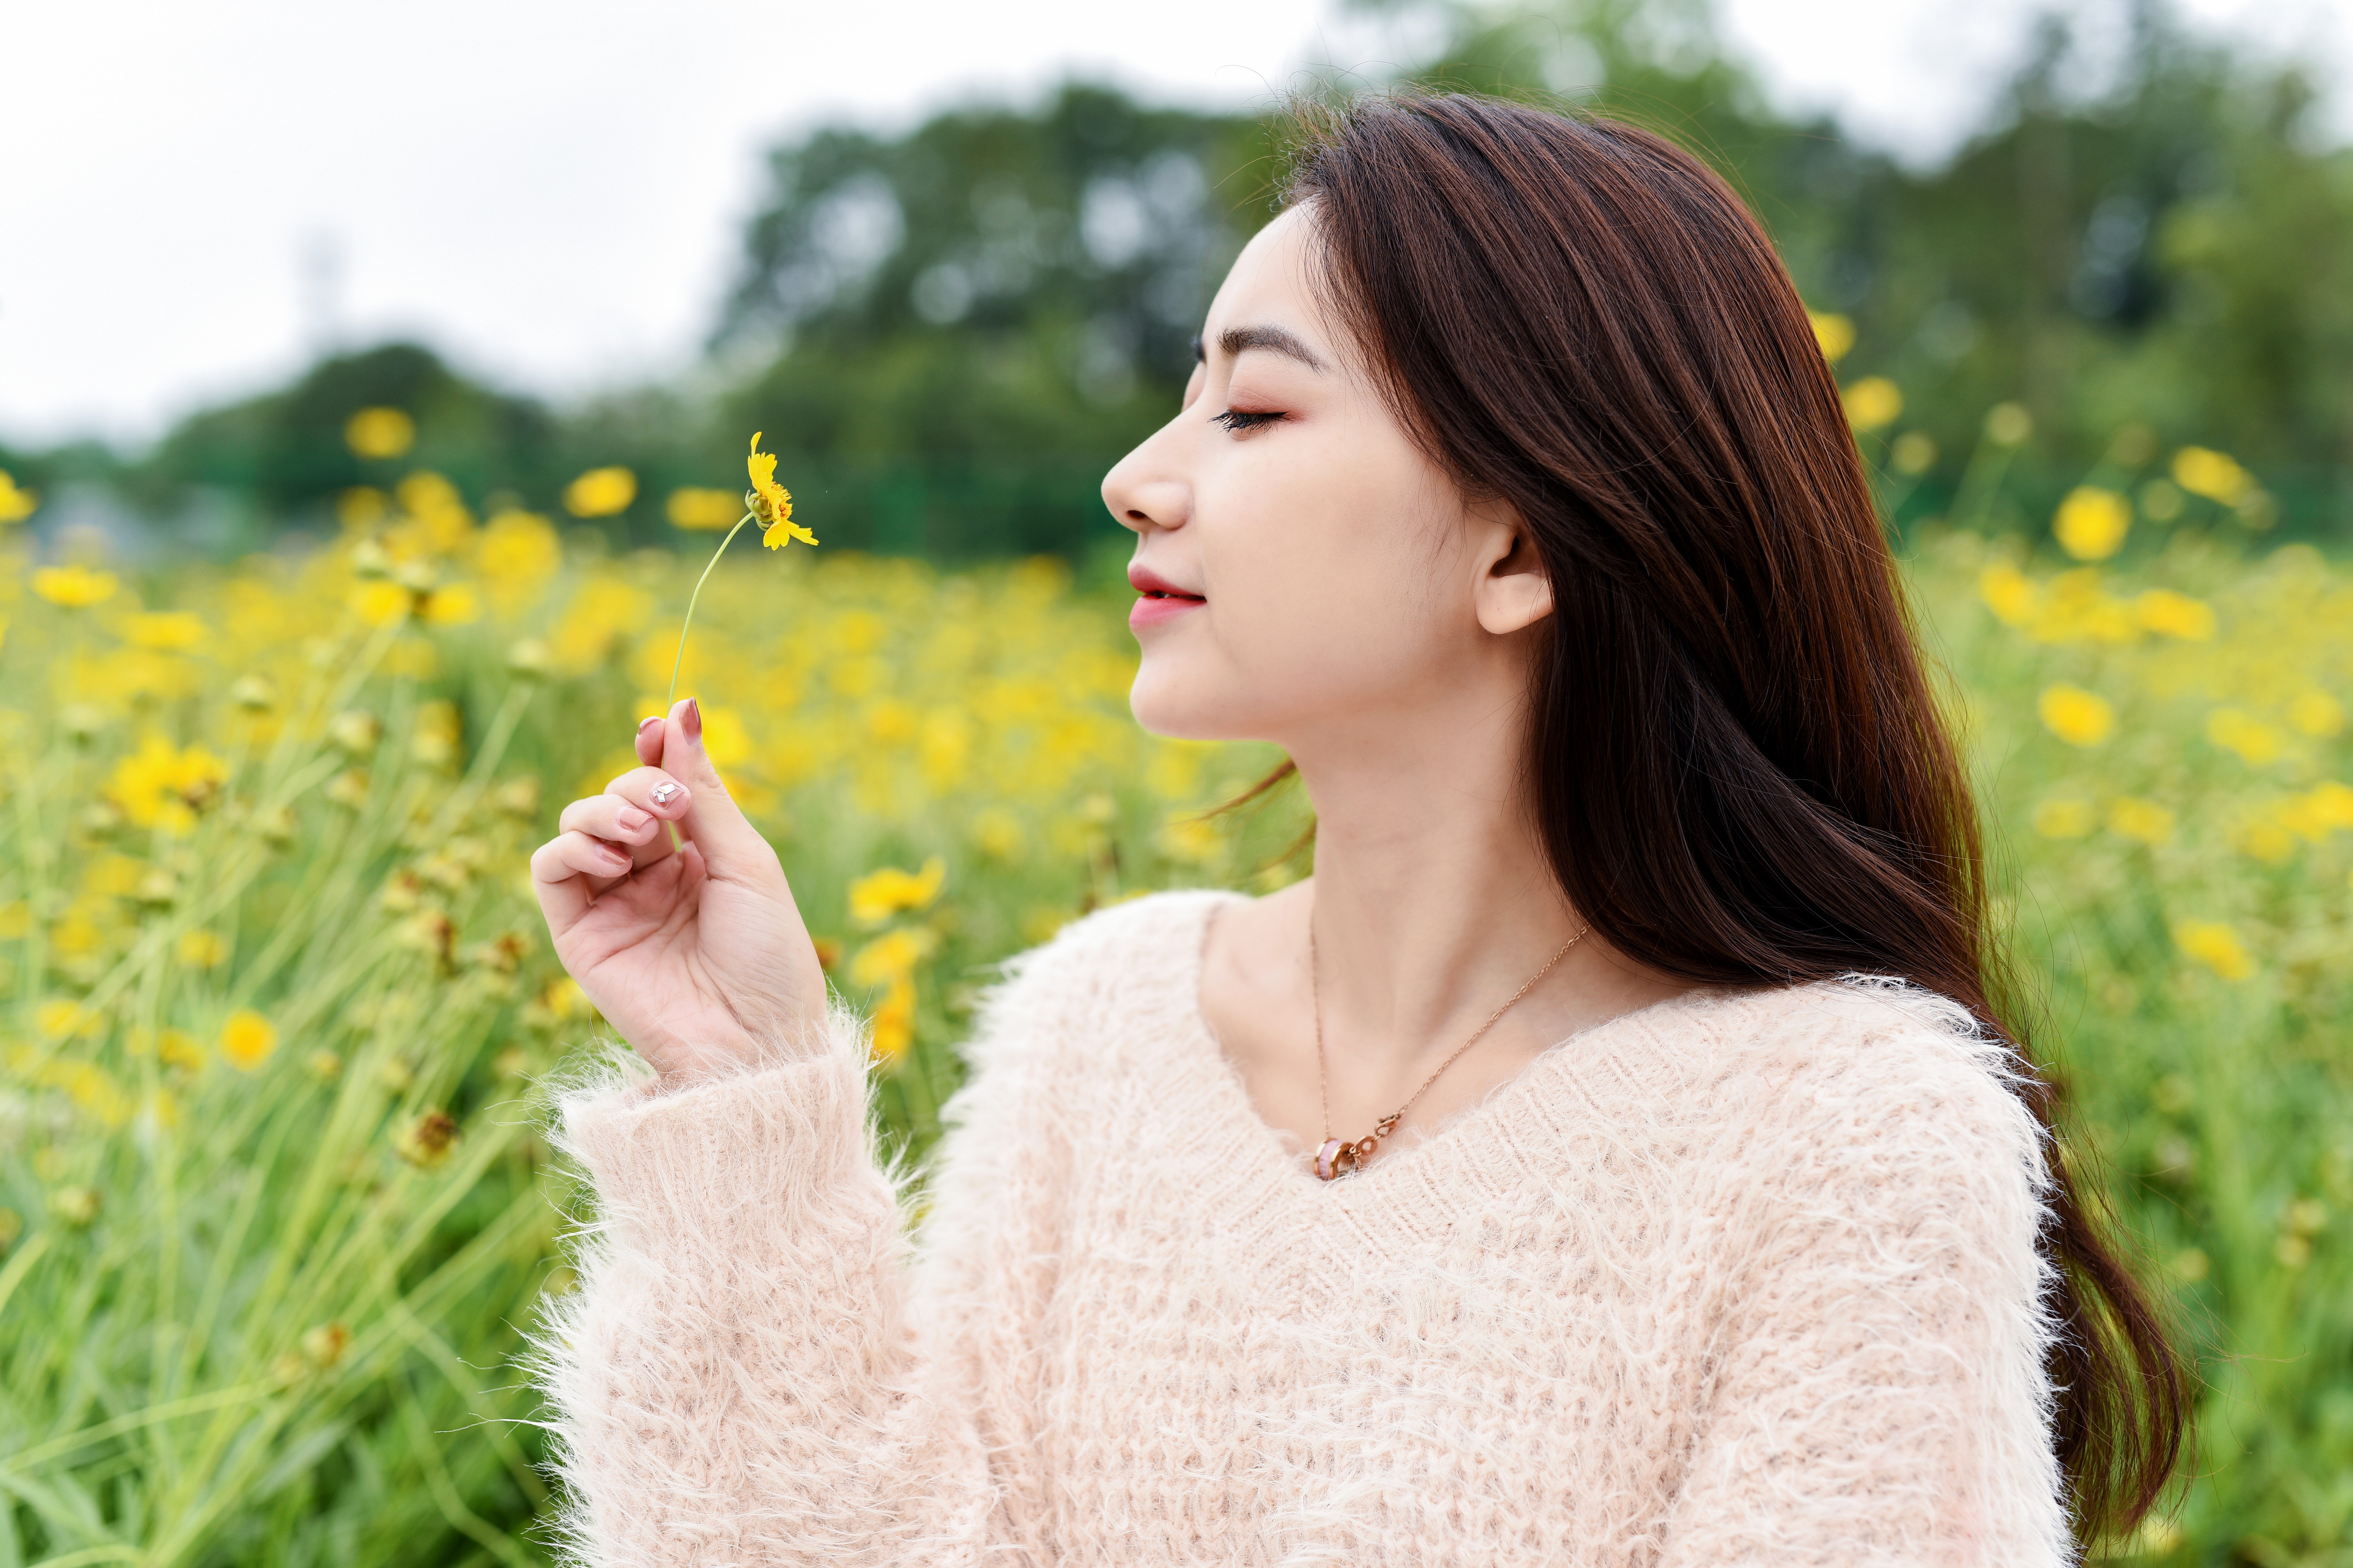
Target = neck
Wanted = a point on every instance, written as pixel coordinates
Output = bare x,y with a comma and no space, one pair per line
1434,900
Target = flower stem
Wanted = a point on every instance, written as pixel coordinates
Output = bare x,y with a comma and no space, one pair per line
680,661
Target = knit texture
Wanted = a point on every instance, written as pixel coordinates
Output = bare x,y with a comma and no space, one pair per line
1742,1277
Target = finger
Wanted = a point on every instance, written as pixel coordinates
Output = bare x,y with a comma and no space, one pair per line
613,815
636,804
590,856
649,740
650,790
731,845
565,895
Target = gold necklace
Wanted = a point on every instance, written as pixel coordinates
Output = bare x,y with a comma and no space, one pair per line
1337,1157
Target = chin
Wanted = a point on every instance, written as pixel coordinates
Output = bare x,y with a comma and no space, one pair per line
1178,710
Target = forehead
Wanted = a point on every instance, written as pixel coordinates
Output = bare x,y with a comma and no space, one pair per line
1267,285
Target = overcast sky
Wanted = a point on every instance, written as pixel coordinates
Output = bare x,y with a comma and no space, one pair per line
194,197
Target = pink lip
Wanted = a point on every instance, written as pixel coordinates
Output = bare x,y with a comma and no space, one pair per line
1150,611
1162,600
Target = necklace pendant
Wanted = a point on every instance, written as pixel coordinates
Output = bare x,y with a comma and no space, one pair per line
1335,1159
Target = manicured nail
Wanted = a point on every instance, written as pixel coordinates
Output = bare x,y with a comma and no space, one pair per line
666,795
691,723
648,723
615,856
632,820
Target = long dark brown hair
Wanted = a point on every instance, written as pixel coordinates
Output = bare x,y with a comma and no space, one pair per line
1739,768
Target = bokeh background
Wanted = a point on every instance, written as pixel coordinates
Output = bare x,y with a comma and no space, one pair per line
375,381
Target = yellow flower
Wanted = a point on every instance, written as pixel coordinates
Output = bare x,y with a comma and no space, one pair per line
201,949
1833,333
179,1048
2064,817
2331,805
2216,946
75,587
58,1018
2207,473
173,1048
379,433
2268,839
247,1039
1874,402
438,732
1914,452
2008,423
996,833
772,504
601,492
164,787
518,552
890,960
1189,836
16,505
2091,522
2317,714
2008,593
2256,742
360,507
891,955
726,740
381,603
2078,716
452,604
164,631
875,898
705,510
894,1019
2142,820
2173,615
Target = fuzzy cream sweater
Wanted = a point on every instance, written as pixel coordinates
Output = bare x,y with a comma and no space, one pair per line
1742,1277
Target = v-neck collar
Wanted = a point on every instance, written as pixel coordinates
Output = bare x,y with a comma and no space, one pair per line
1419,1166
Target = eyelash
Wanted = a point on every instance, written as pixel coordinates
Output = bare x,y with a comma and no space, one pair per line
1238,420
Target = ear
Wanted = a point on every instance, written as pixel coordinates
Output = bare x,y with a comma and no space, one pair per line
1512,591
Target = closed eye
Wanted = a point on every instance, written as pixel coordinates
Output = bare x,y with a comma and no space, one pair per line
1239,420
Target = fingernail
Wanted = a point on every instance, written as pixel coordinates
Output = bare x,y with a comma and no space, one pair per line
666,795
648,723
632,820
691,723
615,856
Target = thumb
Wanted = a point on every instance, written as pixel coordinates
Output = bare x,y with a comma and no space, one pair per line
712,818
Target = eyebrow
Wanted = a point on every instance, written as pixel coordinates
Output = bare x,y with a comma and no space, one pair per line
1236,339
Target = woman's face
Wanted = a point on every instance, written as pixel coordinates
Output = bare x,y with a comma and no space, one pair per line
1306,572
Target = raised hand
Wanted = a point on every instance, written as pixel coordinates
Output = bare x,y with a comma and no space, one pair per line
697,956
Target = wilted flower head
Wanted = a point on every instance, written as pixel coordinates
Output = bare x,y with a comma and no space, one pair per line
425,1143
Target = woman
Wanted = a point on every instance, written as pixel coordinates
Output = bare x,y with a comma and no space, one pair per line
1611,1155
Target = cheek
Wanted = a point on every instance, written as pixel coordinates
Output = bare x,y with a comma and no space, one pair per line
1322,574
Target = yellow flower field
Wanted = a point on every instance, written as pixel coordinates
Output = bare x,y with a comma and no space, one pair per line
273,1200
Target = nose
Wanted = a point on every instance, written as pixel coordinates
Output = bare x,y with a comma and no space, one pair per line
1146,490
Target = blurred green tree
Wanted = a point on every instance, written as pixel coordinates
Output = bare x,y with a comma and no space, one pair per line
2172,251
961,328
286,449
950,333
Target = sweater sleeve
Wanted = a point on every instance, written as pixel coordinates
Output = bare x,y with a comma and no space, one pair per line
1876,1391
755,1372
